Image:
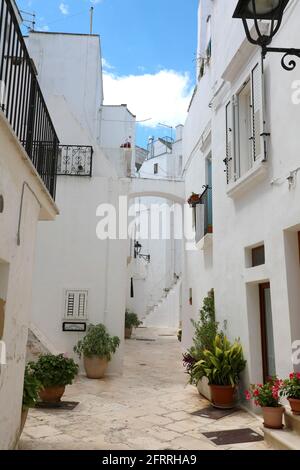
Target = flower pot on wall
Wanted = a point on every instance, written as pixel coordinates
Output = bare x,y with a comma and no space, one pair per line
95,367
223,396
273,417
52,394
295,406
128,332
204,388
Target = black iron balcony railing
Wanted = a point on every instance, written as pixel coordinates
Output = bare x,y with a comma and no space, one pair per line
21,99
75,160
204,219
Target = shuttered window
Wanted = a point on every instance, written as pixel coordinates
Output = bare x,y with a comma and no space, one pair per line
76,304
256,80
245,126
229,142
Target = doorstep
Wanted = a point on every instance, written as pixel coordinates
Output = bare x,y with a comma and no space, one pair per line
284,439
288,438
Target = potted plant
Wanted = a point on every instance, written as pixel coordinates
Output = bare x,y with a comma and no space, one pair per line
31,389
291,390
267,396
222,367
96,347
194,199
206,329
54,373
131,321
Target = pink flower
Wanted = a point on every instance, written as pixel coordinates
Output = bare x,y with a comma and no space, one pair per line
292,376
298,375
256,393
247,395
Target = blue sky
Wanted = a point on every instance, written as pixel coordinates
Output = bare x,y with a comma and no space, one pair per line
148,48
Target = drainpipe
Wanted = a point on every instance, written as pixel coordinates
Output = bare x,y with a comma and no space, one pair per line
106,265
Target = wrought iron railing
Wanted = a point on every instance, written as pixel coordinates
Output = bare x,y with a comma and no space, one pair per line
21,99
75,160
204,217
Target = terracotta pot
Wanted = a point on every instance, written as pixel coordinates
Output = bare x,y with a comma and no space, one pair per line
295,405
24,415
204,388
273,417
52,394
128,332
223,396
95,367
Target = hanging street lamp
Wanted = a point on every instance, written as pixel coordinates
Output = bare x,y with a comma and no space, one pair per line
271,11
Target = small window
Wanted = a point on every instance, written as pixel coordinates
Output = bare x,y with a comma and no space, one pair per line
258,256
155,168
76,305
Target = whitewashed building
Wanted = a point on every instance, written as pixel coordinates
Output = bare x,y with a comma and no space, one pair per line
241,140
79,278
154,284
28,159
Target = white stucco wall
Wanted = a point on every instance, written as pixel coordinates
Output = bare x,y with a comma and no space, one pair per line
267,211
16,267
71,252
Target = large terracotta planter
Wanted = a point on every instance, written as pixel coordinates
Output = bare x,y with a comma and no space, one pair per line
128,332
295,405
204,388
24,415
273,417
95,367
223,396
52,394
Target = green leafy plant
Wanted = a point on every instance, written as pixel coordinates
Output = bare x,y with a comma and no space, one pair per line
265,395
291,387
31,388
206,329
97,342
222,365
132,320
54,371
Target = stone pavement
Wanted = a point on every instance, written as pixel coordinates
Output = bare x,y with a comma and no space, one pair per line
147,408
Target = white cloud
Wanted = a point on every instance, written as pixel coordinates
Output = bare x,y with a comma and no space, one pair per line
163,96
106,65
64,8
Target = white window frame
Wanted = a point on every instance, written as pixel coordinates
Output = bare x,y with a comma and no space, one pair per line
76,316
233,167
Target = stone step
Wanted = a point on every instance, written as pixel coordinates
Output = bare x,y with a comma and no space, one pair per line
284,439
292,422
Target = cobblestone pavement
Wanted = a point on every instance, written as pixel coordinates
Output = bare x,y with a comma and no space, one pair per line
148,408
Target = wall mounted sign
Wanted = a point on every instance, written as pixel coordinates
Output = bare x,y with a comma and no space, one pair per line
74,326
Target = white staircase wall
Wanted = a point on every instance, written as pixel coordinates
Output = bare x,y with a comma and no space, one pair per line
167,313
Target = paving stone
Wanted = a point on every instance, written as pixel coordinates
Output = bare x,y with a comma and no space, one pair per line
146,408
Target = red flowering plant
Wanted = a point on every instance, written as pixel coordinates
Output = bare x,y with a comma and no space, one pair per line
291,387
267,395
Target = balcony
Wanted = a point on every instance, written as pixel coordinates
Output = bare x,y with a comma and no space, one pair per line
204,219
21,99
75,160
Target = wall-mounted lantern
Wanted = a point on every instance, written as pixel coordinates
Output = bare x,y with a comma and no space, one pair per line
271,11
137,252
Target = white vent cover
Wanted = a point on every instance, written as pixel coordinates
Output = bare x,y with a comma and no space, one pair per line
75,306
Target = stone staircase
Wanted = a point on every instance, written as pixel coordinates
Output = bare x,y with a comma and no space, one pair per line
165,313
287,438
38,344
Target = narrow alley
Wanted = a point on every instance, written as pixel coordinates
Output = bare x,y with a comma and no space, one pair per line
149,407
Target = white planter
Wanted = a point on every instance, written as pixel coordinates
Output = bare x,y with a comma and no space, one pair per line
204,388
